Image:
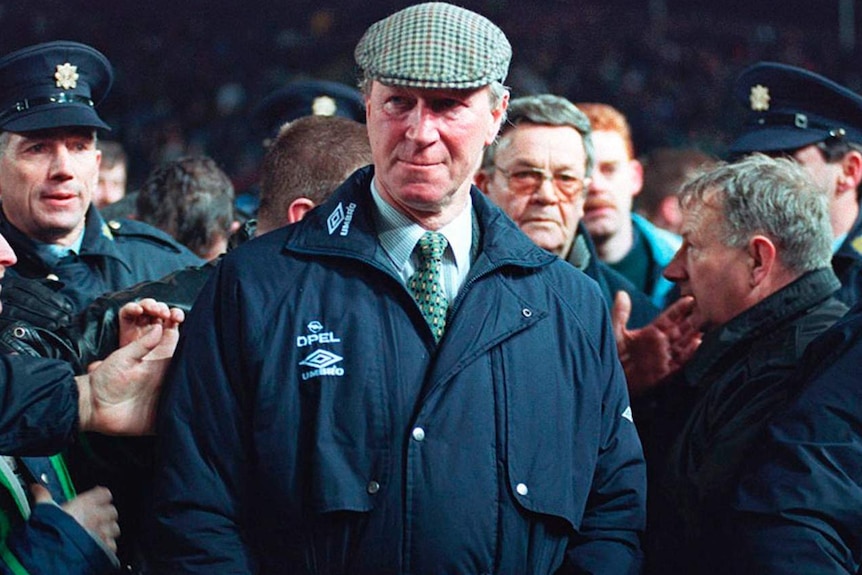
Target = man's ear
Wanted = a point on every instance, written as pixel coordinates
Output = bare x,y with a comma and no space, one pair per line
670,212
851,172
298,208
763,256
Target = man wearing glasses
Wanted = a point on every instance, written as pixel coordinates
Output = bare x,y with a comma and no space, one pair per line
537,172
818,123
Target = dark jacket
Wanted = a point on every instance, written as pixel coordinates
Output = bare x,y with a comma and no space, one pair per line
310,423
47,539
847,264
798,507
39,417
584,257
711,414
113,256
39,414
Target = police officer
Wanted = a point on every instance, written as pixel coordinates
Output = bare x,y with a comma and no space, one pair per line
49,168
818,123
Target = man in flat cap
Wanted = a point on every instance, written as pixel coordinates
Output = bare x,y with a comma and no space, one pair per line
817,122
49,169
402,382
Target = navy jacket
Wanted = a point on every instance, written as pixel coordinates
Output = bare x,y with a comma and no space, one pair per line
47,539
40,417
847,264
310,423
114,256
39,399
798,508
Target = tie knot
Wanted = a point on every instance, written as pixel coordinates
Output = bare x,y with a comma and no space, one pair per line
432,245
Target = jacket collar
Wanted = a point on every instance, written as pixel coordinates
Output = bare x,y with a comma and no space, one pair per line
98,241
344,225
808,290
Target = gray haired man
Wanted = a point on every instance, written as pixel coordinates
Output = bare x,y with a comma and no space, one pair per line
402,382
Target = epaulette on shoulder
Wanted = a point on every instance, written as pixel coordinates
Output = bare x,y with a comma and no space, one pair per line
134,231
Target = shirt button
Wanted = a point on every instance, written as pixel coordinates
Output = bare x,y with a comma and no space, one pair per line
418,434
521,489
373,487
44,478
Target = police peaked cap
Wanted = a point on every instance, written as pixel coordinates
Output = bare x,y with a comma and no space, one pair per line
790,108
53,85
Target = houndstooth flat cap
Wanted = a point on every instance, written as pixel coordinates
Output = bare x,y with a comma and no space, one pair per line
434,45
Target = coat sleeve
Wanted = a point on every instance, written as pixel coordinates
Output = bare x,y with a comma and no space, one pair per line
51,541
202,455
609,538
38,406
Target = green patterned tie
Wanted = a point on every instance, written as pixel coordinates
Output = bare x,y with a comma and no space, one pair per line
425,284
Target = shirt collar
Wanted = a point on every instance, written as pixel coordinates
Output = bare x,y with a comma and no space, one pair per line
55,252
398,234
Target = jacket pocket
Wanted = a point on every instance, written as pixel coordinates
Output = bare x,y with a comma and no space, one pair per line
552,436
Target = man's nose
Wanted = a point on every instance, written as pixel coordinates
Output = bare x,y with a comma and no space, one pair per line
422,124
61,162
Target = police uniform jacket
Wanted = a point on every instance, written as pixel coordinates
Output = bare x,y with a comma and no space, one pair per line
713,412
847,264
113,256
311,424
798,507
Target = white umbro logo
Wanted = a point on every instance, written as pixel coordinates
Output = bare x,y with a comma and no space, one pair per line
321,358
335,218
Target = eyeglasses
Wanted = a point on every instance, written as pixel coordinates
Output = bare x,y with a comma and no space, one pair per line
528,180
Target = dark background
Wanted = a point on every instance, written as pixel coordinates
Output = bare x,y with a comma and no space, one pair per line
188,73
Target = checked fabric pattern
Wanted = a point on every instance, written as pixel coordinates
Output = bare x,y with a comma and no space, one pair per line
425,283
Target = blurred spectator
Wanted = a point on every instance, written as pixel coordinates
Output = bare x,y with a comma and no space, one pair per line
192,200
665,171
630,244
113,173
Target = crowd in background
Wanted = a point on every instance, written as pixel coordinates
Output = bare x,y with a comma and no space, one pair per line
189,75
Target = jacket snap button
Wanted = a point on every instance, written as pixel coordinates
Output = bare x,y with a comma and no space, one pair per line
521,489
419,434
44,478
19,332
527,312
373,487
